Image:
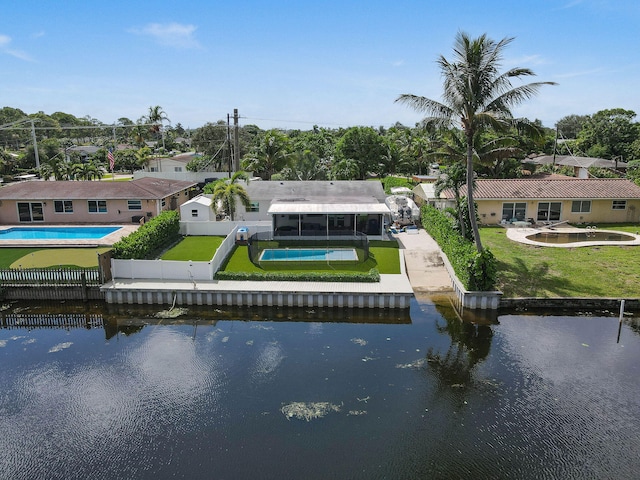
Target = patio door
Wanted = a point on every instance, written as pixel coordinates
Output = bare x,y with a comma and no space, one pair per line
549,211
30,212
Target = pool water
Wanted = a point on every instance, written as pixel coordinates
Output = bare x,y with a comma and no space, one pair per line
577,237
308,254
55,233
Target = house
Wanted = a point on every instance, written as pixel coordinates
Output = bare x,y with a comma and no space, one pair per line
568,199
580,165
76,202
298,208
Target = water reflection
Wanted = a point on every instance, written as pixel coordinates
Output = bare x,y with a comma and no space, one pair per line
292,394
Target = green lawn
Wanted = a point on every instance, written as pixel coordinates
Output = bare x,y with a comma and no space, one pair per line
49,257
197,249
382,255
532,271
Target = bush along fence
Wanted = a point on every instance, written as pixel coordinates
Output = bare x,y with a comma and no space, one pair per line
476,272
155,234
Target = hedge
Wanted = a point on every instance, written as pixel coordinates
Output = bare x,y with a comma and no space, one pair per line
372,276
476,271
152,236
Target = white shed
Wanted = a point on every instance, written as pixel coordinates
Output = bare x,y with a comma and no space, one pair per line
198,209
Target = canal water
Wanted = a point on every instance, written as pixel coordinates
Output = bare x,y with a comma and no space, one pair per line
104,392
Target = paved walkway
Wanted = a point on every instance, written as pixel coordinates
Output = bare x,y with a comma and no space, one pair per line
425,268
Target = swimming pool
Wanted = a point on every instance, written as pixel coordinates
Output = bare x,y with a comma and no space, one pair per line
56,233
308,254
581,237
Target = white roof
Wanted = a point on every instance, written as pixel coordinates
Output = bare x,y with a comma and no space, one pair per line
200,199
327,208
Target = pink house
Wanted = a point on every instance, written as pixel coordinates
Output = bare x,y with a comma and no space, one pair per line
82,202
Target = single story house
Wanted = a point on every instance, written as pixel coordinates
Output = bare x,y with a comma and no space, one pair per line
299,208
77,202
573,200
580,165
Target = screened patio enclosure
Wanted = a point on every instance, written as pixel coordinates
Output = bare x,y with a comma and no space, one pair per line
306,218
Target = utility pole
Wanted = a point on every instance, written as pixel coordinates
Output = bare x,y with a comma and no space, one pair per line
236,141
228,142
35,143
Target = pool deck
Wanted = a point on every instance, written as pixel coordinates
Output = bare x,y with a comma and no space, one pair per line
520,234
105,241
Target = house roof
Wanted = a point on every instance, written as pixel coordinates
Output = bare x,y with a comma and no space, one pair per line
147,188
314,205
320,197
572,161
568,188
328,192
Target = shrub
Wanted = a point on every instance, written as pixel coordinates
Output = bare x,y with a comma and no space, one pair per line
477,271
372,276
155,234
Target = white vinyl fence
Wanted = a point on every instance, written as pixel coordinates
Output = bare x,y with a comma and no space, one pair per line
192,271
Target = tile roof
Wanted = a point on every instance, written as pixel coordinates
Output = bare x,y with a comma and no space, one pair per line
553,188
142,188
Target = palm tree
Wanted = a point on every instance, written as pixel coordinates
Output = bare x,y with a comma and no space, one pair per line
477,95
226,192
155,117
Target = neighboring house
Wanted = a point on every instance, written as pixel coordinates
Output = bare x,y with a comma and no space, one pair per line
198,209
317,207
104,201
425,193
580,165
573,200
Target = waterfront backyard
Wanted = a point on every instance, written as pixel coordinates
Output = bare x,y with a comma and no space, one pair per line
589,272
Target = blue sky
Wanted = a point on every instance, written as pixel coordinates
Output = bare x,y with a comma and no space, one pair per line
293,64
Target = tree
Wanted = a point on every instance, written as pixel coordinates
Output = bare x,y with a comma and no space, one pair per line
568,127
270,155
609,134
478,96
366,147
227,192
156,117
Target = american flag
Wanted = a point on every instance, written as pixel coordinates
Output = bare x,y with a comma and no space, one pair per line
112,160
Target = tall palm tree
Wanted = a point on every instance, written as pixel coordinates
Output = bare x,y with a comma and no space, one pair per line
155,117
477,95
226,192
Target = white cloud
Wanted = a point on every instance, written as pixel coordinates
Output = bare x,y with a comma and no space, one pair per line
170,34
5,47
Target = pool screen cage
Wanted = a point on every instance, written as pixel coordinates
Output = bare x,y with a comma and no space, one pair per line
263,240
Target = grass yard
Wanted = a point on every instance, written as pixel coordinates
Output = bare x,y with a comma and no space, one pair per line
50,257
383,255
196,248
532,271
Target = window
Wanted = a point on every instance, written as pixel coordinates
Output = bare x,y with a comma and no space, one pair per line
164,202
97,206
514,210
153,169
194,213
581,206
255,207
30,212
63,206
549,211
134,204
619,205
177,169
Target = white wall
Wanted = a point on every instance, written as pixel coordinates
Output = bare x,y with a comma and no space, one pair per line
187,176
